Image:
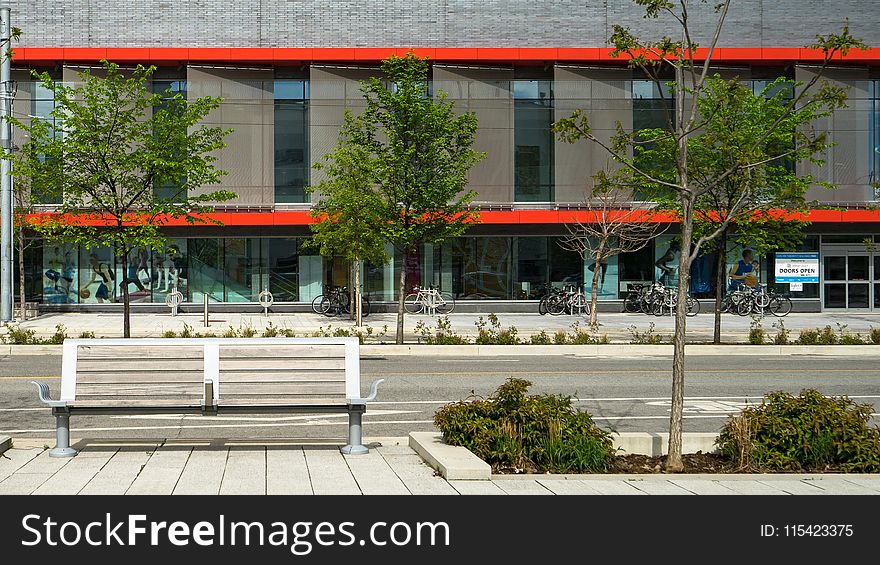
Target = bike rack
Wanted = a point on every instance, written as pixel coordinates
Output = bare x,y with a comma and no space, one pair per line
266,300
173,299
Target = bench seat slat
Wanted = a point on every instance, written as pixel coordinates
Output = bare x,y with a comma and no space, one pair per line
282,363
139,389
282,389
135,351
281,350
274,376
112,379
139,365
137,403
280,401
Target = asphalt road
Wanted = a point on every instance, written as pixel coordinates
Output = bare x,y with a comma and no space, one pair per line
624,394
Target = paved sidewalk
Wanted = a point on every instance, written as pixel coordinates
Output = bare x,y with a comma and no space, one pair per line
616,325
294,467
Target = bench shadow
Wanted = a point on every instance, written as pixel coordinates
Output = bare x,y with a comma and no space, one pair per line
274,444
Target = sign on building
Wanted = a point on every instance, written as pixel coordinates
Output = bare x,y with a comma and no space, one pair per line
797,268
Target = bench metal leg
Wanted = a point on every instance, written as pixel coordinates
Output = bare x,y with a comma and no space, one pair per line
62,436
355,434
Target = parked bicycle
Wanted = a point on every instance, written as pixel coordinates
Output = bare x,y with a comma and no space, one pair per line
745,300
336,301
567,300
428,301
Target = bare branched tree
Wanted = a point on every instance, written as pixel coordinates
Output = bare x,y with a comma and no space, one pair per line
611,225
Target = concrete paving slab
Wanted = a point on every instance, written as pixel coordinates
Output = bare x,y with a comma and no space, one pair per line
795,486
419,478
703,487
203,471
15,458
116,476
374,475
287,471
162,471
613,487
569,487
245,471
23,483
657,486
835,486
42,463
526,487
329,472
5,443
74,476
870,482
750,487
476,487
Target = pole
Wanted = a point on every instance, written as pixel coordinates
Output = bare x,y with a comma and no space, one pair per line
6,217
207,321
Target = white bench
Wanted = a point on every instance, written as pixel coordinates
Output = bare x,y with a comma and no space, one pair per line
209,376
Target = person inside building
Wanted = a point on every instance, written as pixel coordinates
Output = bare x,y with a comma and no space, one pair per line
745,271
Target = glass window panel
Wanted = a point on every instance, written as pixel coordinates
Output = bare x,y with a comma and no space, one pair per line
136,276
858,296
60,276
532,261
205,268
243,269
835,268
858,268
169,269
283,269
482,267
876,295
533,141
97,276
835,295
844,238
566,267
168,89
291,141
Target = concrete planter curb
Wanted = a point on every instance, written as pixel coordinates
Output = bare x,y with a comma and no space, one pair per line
458,463
611,350
5,444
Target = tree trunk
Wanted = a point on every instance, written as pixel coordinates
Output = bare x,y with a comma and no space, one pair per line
720,286
352,292
22,300
126,299
594,287
402,292
358,310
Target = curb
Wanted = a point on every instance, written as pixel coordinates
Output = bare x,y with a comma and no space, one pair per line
610,350
459,463
452,462
5,444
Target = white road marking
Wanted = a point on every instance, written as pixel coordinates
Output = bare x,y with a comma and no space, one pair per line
242,418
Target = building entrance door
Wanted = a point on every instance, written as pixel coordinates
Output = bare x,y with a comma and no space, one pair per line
848,279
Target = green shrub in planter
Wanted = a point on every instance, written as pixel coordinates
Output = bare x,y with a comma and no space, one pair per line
809,432
514,432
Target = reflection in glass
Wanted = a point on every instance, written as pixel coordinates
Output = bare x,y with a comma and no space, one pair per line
858,268
858,296
205,268
283,269
291,140
533,140
835,268
835,295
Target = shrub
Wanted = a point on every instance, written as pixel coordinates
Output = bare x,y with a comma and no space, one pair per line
540,339
87,335
270,331
809,432
169,334
187,331
875,335
513,431
808,337
560,338
17,336
647,337
444,335
757,334
247,332
495,334
782,334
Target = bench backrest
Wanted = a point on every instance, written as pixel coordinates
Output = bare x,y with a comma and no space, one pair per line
235,371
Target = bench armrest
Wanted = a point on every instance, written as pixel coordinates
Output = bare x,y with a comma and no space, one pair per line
374,389
43,391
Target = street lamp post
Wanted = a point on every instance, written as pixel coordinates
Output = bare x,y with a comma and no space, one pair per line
6,212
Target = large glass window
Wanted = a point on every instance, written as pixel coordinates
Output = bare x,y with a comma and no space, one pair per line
283,263
205,268
874,134
291,140
42,105
533,140
169,90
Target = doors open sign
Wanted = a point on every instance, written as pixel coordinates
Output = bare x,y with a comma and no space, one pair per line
797,268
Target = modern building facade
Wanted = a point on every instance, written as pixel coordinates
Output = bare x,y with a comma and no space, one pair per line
288,70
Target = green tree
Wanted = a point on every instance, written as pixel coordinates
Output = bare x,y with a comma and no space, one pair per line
420,152
112,144
348,211
686,120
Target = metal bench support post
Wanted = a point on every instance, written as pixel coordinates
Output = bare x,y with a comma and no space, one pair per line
355,432
62,436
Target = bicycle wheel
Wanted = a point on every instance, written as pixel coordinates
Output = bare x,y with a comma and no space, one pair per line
316,304
693,306
412,303
579,305
365,306
329,306
556,305
542,306
445,303
745,306
779,305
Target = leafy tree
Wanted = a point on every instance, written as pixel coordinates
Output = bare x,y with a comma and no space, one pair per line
612,226
689,88
420,152
348,212
112,143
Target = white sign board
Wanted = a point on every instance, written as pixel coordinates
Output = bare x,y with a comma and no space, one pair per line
797,268
796,286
